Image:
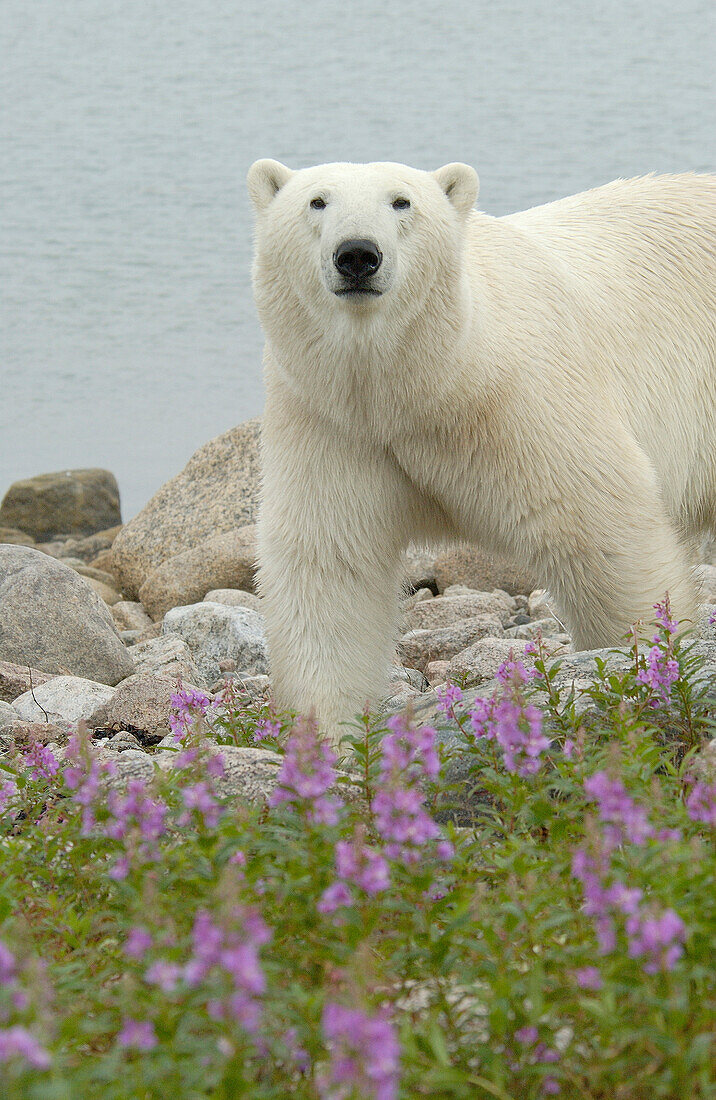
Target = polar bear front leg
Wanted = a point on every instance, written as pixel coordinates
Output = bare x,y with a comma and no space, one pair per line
329,566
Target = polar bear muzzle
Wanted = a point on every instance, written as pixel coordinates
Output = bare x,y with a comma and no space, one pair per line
357,261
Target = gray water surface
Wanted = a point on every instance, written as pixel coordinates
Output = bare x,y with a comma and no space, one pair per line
127,331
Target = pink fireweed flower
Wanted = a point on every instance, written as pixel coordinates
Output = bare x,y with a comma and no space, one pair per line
137,943
137,1035
7,964
701,802
307,774
511,721
661,670
408,751
265,727
17,1042
359,865
448,698
164,974
41,760
8,794
615,807
235,953
199,797
657,938
82,774
364,1055
334,897
190,704
403,822
589,977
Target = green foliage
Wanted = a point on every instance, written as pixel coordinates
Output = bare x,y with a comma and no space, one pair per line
477,958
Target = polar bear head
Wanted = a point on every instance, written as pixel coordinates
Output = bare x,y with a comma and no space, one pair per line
343,246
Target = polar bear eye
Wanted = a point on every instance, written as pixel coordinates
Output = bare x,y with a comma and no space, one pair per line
318,204
401,204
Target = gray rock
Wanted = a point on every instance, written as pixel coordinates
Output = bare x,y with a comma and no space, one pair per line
69,501
418,648
470,566
122,742
218,490
51,618
128,615
8,715
249,774
419,567
224,560
142,702
548,628
68,698
480,661
445,610
17,679
104,591
129,764
16,537
235,597
216,633
168,655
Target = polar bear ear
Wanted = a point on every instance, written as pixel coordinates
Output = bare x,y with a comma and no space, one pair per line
460,184
265,180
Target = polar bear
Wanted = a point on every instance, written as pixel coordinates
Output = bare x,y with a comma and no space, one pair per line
543,384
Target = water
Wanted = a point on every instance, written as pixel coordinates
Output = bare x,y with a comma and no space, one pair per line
127,331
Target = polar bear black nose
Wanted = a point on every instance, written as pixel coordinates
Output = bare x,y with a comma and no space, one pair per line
357,259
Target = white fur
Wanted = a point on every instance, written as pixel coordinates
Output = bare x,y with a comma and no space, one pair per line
408,416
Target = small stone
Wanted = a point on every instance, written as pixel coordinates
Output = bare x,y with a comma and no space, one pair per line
233,597
122,742
445,610
17,679
109,595
70,698
141,702
472,567
418,648
436,672
167,656
8,715
547,627
130,616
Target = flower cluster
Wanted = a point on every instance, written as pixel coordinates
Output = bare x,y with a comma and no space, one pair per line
136,817
41,761
701,802
364,1055
82,773
16,1041
623,818
448,698
307,774
655,937
511,721
408,756
231,951
190,704
535,1052
661,670
357,864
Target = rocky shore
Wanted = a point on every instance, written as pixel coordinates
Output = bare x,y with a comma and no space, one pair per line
98,619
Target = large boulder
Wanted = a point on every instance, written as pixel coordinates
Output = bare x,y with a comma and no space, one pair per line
468,565
16,679
52,620
218,490
78,502
226,560
68,698
141,702
216,633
